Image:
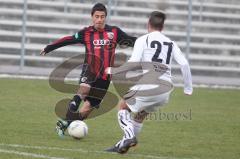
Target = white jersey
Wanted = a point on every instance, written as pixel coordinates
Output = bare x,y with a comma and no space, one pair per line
156,47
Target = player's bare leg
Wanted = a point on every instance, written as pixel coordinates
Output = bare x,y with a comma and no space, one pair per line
85,110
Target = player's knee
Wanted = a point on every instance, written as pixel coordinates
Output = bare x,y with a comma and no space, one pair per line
84,89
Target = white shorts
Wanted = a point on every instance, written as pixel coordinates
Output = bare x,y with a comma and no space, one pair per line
137,101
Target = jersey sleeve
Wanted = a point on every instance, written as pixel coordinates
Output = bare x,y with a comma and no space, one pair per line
137,51
125,39
79,36
67,40
185,69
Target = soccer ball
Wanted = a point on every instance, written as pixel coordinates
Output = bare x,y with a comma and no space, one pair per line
78,129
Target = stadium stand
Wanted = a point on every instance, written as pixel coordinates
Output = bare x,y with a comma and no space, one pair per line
215,40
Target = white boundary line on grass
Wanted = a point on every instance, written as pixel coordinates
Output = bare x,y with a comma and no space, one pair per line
32,155
32,77
75,150
76,79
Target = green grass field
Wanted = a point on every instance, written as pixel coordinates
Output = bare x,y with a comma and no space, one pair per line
209,128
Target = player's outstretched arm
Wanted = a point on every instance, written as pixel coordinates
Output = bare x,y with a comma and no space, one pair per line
43,53
185,69
187,77
67,40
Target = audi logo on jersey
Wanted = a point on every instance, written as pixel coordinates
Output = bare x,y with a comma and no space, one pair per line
101,42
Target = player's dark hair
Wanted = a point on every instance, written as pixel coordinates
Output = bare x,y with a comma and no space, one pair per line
99,7
157,19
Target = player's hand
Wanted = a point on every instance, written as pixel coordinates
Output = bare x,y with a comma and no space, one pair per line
43,53
108,70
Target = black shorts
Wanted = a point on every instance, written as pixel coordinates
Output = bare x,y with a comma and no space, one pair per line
98,88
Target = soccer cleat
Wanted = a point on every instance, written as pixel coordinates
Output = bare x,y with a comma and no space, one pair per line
112,149
126,144
61,127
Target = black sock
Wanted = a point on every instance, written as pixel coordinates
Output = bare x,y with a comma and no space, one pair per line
71,116
77,100
72,108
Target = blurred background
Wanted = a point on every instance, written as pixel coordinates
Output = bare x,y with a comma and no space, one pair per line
207,31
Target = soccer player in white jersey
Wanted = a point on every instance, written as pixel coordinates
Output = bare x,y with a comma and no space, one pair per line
152,52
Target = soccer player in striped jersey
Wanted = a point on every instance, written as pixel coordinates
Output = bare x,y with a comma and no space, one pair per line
100,42
153,54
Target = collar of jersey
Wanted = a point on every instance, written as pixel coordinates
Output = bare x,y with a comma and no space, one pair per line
106,28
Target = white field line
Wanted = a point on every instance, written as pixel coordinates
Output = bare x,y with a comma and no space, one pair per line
76,79
32,155
32,77
82,151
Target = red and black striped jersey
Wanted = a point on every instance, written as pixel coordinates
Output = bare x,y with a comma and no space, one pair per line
100,46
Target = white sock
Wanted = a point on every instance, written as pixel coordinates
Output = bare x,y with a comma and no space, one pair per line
137,127
124,120
117,144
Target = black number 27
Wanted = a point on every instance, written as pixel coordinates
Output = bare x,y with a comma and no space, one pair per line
159,50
